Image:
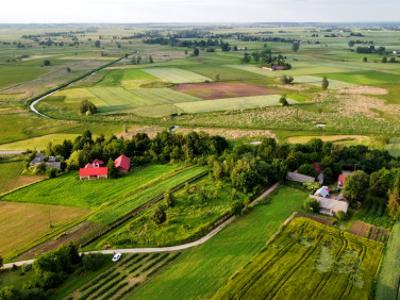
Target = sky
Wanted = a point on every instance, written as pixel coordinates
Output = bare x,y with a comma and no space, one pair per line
193,11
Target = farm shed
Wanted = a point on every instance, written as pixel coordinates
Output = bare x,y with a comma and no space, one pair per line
329,206
122,163
297,177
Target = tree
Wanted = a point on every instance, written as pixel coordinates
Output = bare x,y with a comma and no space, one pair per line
283,101
394,200
237,208
69,70
365,59
325,83
112,171
169,199
356,187
351,44
46,63
384,59
217,77
97,44
196,52
285,79
151,59
296,46
159,215
87,106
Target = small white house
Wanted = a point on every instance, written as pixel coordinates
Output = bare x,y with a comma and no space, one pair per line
329,206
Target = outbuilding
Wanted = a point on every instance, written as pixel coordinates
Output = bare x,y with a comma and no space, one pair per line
122,163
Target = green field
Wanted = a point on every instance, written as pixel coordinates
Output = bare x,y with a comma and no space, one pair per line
18,74
176,75
388,283
68,190
188,219
343,265
200,272
394,147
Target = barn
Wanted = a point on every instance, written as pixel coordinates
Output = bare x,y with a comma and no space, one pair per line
122,163
93,173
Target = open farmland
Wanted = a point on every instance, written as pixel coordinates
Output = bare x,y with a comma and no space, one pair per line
38,221
175,75
38,143
211,264
343,266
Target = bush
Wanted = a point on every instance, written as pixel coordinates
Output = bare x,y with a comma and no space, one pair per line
52,173
283,101
159,216
341,215
87,106
325,83
237,208
311,205
169,199
285,79
93,262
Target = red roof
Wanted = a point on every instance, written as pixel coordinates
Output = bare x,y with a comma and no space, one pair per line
98,161
122,162
100,171
342,180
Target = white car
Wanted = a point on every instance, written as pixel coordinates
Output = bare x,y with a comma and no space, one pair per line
116,257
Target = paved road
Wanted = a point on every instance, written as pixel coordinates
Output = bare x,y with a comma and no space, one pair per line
198,242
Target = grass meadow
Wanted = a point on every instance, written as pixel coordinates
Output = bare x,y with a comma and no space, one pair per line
388,282
198,273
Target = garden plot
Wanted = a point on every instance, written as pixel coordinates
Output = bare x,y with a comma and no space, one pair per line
219,90
176,75
308,260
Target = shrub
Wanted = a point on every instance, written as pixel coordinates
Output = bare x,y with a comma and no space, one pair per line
341,215
237,208
52,173
283,101
169,199
312,205
159,216
325,83
307,169
285,79
93,262
46,63
312,187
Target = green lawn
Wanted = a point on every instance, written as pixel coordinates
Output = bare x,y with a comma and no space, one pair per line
388,283
198,273
68,190
39,143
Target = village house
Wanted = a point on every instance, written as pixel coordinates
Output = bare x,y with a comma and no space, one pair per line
342,179
51,162
93,170
329,205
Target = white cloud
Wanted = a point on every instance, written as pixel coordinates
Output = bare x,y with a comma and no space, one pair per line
197,10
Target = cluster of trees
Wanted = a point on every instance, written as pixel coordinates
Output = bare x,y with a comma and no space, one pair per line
371,49
391,60
267,58
87,107
51,270
352,43
202,44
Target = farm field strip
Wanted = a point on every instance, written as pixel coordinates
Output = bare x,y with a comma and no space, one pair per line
345,266
175,75
316,81
388,283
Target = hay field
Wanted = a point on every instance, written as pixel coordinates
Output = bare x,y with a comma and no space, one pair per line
18,232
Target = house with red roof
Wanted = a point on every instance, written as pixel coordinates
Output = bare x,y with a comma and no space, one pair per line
122,163
93,170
